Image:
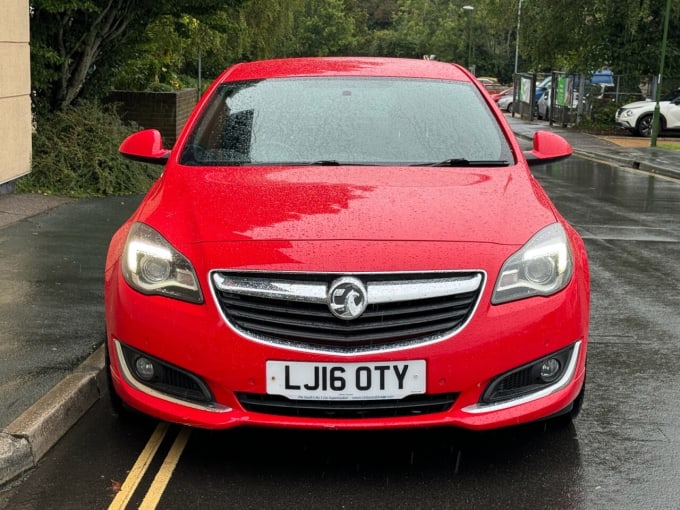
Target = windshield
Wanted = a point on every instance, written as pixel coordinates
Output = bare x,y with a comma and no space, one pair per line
545,83
671,96
372,121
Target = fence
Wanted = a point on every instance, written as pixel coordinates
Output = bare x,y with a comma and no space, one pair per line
566,99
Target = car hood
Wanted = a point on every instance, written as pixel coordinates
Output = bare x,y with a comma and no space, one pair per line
347,203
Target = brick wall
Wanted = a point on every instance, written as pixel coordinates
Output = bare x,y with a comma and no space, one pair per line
165,111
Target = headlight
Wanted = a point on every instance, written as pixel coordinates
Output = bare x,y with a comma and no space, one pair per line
627,113
152,266
543,266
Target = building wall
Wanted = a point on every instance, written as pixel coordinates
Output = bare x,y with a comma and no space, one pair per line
15,89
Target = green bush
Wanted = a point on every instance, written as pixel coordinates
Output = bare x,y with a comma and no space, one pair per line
601,119
75,153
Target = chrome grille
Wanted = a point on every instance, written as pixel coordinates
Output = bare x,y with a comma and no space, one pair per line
292,308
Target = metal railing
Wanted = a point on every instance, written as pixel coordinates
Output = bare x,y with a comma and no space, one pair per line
572,97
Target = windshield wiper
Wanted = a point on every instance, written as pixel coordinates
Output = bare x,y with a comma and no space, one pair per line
326,162
462,162
335,162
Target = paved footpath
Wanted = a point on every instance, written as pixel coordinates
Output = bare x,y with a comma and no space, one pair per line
52,252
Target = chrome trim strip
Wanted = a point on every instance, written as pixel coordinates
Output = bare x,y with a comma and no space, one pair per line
378,292
557,386
276,289
384,292
129,378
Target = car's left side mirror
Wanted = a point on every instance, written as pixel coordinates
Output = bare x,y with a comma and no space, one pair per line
145,146
548,148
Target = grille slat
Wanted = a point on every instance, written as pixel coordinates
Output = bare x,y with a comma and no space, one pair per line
236,303
293,319
402,320
349,338
274,306
409,406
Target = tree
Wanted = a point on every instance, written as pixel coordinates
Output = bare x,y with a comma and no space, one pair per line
167,56
583,35
73,41
79,45
432,27
327,27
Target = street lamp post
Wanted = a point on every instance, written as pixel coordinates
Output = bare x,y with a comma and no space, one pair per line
519,17
656,118
468,9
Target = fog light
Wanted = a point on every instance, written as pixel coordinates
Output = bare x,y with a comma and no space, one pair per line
550,370
144,368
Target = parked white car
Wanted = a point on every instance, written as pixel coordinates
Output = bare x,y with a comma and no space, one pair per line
637,116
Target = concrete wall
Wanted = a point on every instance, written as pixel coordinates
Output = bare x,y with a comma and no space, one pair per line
15,89
165,111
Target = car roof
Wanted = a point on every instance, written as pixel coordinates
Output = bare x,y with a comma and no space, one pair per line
345,66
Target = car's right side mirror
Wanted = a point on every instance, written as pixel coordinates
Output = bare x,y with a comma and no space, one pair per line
548,147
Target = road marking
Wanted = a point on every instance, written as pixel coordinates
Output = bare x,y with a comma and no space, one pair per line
160,482
137,472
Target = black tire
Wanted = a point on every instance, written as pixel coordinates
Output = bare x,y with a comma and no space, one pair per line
120,409
509,108
578,403
644,125
566,417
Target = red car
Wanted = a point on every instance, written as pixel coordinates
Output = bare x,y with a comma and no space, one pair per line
503,93
347,243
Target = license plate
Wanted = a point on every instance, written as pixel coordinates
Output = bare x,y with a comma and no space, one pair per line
346,381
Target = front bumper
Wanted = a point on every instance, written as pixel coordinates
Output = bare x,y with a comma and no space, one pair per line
540,404
497,340
626,121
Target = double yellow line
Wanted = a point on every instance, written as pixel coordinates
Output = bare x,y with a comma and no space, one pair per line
163,476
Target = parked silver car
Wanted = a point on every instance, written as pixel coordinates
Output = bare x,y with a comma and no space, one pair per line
543,104
505,103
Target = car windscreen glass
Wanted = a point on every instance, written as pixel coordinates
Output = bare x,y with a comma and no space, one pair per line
671,96
372,121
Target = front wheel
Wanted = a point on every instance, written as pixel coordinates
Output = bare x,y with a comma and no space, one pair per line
644,125
119,408
567,416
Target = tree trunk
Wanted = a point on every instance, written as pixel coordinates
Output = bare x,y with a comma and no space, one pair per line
79,60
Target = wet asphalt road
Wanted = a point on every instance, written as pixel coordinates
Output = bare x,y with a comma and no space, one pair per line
622,452
52,313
